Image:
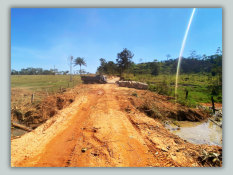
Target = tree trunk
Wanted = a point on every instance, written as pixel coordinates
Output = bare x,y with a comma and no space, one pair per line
21,126
80,70
70,72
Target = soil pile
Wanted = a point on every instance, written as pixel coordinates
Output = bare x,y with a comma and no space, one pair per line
40,113
160,107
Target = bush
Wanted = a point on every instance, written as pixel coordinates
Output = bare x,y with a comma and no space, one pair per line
135,79
187,88
152,87
164,88
148,82
189,102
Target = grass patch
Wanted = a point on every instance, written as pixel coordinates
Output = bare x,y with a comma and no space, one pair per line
200,87
23,86
40,82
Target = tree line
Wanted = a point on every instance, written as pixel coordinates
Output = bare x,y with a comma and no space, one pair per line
39,71
195,63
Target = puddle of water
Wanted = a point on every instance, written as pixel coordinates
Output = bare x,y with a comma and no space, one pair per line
198,132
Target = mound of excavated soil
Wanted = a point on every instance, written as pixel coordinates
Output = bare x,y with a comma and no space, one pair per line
159,106
47,108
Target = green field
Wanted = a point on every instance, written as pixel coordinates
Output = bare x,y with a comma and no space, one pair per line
40,82
200,87
23,86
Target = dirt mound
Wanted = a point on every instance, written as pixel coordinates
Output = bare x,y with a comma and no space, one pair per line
159,106
43,111
47,109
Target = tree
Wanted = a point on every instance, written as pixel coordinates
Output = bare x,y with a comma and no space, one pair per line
102,69
111,68
82,71
106,67
70,59
193,54
168,56
102,62
155,68
65,72
218,51
23,72
14,72
204,57
39,71
140,60
124,60
80,61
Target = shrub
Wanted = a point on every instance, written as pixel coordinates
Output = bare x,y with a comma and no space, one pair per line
189,103
164,88
135,79
152,87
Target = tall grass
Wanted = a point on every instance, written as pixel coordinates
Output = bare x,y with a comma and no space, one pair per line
199,86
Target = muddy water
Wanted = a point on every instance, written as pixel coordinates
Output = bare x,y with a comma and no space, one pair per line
198,132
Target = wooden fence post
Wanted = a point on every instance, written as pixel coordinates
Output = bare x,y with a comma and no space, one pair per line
32,97
187,92
212,98
46,92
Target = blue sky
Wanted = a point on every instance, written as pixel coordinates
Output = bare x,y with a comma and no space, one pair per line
44,37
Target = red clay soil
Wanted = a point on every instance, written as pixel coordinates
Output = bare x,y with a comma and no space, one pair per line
216,105
95,131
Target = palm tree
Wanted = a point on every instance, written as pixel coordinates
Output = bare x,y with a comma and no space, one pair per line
80,61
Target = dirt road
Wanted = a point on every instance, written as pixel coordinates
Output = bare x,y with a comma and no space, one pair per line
95,132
